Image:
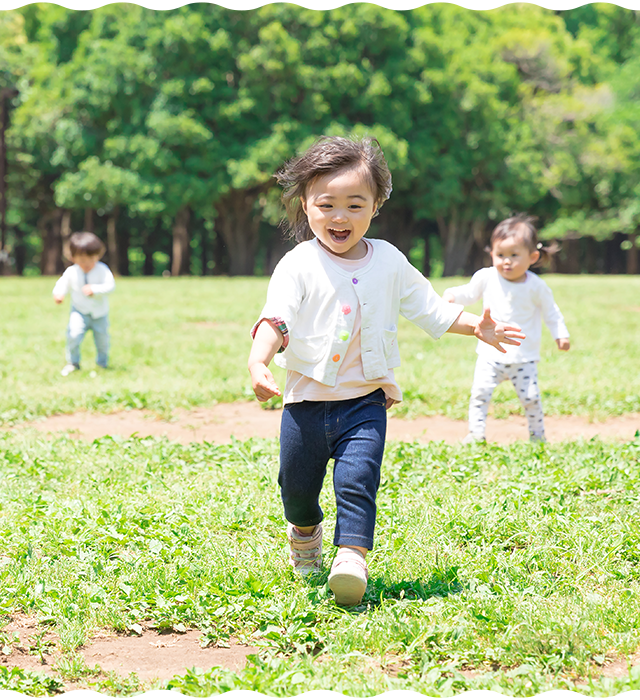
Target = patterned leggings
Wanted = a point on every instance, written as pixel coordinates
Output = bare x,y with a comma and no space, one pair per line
523,376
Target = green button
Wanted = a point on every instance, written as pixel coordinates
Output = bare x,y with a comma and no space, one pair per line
344,335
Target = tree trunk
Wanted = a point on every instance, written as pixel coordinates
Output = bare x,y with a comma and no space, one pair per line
65,233
239,224
181,249
124,240
51,260
88,219
220,257
204,249
591,255
20,251
457,236
426,255
112,242
147,250
632,255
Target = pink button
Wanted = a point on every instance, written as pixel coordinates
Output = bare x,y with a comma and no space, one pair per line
346,309
354,280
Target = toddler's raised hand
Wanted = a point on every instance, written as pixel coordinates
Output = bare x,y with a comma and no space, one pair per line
264,385
494,333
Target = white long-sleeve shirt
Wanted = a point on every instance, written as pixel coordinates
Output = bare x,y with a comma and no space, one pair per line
102,283
524,303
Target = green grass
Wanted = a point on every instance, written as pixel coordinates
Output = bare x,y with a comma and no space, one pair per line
512,569
184,343
517,566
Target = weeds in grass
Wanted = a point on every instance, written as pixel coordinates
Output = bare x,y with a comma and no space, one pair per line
494,567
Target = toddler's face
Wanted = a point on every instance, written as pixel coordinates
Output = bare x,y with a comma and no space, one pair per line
340,207
512,258
85,262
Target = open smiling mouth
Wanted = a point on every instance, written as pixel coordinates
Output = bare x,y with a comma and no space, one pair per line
339,235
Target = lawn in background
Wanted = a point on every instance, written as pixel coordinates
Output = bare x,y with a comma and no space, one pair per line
513,569
184,342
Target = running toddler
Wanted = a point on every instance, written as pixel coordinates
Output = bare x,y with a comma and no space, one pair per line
514,294
330,320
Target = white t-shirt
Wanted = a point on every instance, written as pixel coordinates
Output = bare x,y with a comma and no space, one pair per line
102,283
525,303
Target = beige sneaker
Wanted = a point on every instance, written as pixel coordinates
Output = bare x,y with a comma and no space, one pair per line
474,439
305,552
348,577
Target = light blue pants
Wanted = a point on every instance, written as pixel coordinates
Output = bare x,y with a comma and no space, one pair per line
523,376
79,324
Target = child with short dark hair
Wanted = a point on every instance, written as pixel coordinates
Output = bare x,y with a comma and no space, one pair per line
514,294
331,319
90,281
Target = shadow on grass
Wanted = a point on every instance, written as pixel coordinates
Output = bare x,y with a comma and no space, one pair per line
441,584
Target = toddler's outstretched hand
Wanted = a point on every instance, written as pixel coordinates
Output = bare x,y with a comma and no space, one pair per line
264,385
494,333
58,299
563,343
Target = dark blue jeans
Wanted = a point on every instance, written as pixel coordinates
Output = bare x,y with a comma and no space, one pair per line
352,433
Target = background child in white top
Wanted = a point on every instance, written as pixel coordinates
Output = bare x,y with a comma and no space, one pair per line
514,294
89,281
332,312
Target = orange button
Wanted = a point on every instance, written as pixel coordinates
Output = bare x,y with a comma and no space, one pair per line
336,358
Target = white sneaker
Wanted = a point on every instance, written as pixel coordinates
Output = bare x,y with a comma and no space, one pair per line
474,439
67,369
305,552
348,577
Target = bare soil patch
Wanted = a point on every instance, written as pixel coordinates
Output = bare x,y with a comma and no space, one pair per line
150,655
218,424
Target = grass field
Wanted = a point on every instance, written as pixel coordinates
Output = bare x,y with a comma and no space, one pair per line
184,343
513,569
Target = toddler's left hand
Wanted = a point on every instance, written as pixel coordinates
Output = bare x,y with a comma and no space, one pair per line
494,333
87,291
563,343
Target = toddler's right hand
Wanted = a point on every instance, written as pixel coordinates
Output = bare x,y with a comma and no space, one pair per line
58,300
448,297
264,385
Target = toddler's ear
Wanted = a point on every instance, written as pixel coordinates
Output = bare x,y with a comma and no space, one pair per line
303,201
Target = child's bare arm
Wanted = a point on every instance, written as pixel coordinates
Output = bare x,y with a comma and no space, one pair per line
486,329
266,343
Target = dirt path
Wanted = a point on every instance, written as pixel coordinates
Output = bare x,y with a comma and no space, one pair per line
244,420
149,655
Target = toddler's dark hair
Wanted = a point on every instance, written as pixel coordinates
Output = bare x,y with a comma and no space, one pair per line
522,227
330,154
86,243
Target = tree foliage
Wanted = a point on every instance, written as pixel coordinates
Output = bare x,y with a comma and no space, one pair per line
162,129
